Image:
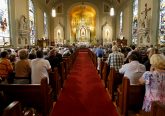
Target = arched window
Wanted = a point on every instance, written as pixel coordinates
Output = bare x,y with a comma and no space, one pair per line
162,22
45,26
32,23
4,23
135,22
121,25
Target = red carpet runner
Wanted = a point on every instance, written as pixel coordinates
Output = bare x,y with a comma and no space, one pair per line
83,93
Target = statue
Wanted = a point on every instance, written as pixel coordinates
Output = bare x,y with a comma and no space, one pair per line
144,22
23,23
24,29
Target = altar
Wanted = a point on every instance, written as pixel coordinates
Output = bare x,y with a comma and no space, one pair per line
83,44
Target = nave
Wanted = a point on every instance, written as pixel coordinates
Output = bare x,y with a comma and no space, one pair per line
83,93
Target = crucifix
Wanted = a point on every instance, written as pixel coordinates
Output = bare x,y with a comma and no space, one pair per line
146,11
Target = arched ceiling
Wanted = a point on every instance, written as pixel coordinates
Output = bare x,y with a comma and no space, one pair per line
116,3
82,10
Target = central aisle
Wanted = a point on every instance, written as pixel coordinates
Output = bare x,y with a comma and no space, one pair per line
83,93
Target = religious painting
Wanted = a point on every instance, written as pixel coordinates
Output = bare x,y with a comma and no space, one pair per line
118,1
107,34
162,22
106,8
59,34
47,1
59,9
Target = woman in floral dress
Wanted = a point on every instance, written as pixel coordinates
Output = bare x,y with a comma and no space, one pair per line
154,82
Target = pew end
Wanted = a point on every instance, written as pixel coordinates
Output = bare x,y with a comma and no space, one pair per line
14,109
127,97
36,96
157,109
113,81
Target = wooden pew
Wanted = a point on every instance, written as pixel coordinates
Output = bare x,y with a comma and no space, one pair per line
105,73
66,65
101,68
62,73
93,57
113,81
14,109
130,97
55,82
37,96
157,109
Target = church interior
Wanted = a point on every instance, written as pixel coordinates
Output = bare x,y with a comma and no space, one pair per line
82,57
81,22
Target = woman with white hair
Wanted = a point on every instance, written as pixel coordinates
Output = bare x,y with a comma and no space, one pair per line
22,68
154,82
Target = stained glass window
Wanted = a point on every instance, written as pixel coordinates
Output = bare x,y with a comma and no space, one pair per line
162,22
4,24
135,22
45,26
32,23
121,25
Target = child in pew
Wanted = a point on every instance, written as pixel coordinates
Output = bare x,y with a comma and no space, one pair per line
154,81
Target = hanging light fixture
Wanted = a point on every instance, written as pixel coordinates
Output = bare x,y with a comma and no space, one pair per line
53,10
112,10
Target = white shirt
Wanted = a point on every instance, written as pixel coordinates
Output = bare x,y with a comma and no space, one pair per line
133,70
39,67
